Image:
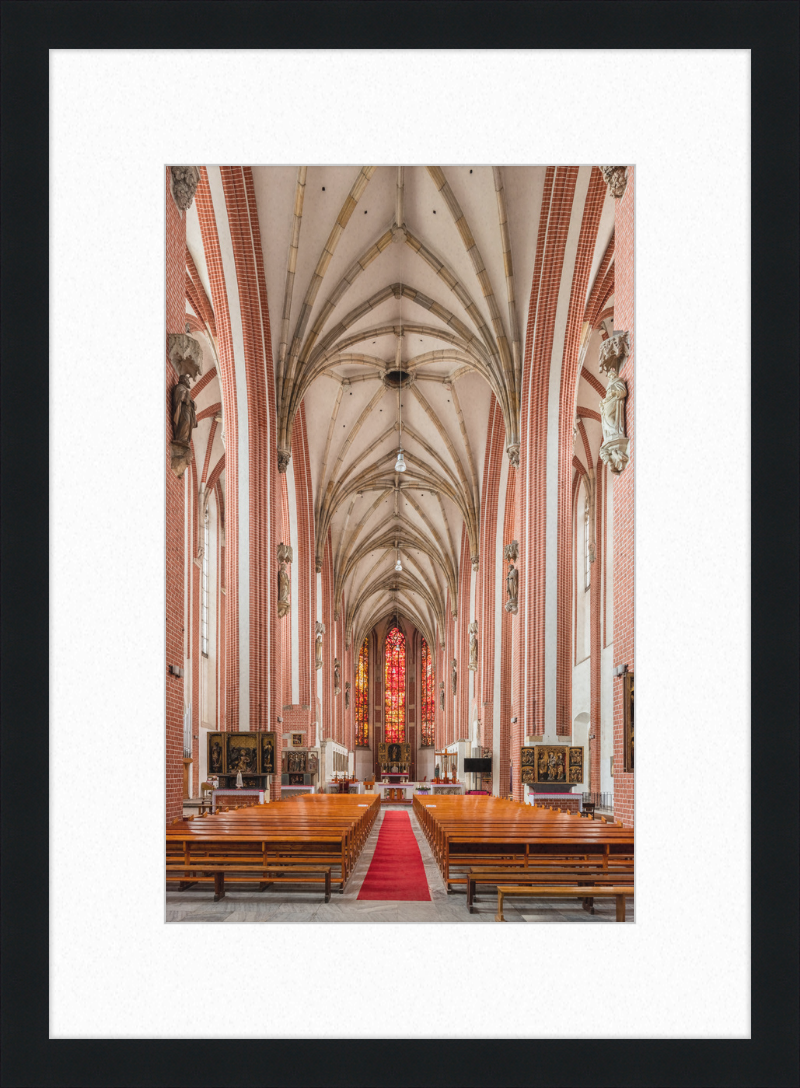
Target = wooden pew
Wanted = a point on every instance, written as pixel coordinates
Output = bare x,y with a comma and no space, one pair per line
552,891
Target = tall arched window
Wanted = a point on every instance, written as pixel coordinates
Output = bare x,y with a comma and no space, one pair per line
587,566
362,695
428,697
394,724
204,589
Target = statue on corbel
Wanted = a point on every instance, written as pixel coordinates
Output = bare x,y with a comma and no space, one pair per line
337,668
473,646
186,357
441,694
454,676
510,554
285,555
319,631
614,450
347,694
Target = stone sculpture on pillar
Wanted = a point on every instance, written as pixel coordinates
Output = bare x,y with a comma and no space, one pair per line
285,555
441,694
473,646
614,450
616,179
337,690
513,454
186,357
347,694
454,675
185,180
510,553
320,631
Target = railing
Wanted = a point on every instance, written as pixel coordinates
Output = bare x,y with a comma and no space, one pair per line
599,800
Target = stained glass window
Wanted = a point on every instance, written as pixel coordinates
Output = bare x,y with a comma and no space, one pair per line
394,728
428,699
362,696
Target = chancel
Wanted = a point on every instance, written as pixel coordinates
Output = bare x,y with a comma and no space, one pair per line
399,461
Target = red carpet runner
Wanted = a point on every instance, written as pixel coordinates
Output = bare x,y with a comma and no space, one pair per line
396,871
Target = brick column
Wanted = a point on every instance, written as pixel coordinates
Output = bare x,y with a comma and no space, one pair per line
624,497
175,513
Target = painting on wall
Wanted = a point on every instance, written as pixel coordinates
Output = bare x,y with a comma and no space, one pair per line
551,763
627,720
394,754
297,740
575,768
216,753
268,748
242,753
313,763
296,762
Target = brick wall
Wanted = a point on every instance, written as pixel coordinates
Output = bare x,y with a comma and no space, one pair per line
624,497
175,559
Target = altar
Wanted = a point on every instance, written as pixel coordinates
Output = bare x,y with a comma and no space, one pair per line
403,792
226,797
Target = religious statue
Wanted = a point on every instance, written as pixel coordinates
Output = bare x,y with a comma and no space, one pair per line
473,646
512,588
336,676
184,416
320,631
347,694
285,556
454,675
441,694
614,450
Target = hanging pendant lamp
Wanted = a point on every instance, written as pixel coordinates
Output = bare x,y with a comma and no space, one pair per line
400,464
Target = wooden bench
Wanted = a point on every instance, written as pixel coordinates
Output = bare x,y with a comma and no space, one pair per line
255,872
619,892
581,874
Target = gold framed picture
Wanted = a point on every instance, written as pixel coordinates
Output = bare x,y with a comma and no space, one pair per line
575,766
551,763
241,753
297,740
269,745
216,753
527,757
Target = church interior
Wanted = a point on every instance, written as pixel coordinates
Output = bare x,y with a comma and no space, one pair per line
400,660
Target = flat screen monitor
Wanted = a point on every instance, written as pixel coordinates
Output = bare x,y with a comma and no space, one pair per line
478,766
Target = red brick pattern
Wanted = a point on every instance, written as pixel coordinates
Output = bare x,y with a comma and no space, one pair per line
587,242
175,545
229,640
509,631
624,497
529,684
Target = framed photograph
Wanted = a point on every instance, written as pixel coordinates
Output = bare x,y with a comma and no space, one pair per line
627,719
575,766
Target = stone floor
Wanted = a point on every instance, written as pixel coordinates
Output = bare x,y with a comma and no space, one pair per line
294,907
